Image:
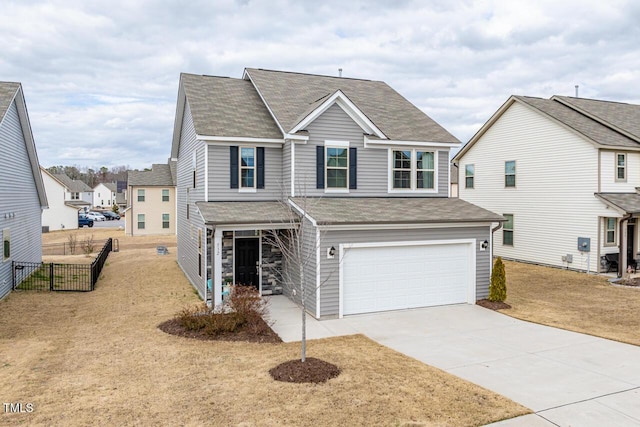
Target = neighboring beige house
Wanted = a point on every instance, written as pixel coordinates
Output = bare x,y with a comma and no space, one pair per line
152,201
565,173
62,214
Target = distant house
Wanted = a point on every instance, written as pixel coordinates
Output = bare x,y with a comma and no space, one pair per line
152,201
104,195
62,214
364,171
453,174
22,193
565,173
78,193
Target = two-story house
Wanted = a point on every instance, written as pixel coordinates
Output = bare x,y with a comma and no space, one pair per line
104,195
22,194
62,213
77,193
152,201
366,172
564,172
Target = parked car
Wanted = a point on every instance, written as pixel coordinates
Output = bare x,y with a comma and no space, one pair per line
96,216
84,220
111,216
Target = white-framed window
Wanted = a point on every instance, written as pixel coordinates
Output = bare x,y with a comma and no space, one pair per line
165,195
141,195
140,221
75,196
510,173
247,167
336,154
621,167
6,244
610,231
469,175
165,220
412,170
507,230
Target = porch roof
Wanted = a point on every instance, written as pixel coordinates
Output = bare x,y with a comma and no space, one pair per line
243,213
627,202
394,210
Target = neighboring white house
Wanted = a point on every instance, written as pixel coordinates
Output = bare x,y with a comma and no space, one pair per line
61,214
78,193
564,172
22,194
104,195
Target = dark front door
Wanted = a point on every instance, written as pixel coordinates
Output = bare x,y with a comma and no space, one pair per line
631,255
247,256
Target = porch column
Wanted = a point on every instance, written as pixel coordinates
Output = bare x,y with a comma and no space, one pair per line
217,267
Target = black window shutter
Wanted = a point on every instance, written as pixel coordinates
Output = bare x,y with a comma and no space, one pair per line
353,168
260,167
233,166
320,166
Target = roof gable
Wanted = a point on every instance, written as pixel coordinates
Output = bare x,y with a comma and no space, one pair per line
290,97
11,92
74,185
160,175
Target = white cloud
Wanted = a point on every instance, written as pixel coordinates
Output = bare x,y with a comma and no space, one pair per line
101,79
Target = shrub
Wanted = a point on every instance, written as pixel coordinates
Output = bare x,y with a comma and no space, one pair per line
498,286
244,311
88,245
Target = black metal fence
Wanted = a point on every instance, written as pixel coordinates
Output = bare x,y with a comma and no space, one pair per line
48,276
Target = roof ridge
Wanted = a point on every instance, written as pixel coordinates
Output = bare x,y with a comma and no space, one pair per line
593,99
314,75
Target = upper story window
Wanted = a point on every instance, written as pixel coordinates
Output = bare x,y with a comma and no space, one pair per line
141,195
75,196
165,195
413,170
246,167
469,175
337,167
510,173
621,167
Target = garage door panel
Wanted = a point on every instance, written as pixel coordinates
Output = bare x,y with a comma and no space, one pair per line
399,277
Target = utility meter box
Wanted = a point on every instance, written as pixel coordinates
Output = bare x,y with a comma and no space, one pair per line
584,244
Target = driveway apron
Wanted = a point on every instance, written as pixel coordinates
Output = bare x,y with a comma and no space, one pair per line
566,378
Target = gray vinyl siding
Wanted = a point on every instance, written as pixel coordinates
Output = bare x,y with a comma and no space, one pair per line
286,168
308,235
219,185
372,163
18,195
187,229
330,272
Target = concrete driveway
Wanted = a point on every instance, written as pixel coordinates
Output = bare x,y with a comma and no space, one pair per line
566,378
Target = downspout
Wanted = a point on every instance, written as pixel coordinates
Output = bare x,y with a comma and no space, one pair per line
493,230
622,258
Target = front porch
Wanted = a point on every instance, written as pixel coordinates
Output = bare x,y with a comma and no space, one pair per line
621,238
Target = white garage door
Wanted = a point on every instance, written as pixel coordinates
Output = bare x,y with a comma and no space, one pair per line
399,276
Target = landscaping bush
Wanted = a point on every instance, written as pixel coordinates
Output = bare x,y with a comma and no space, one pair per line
498,286
243,311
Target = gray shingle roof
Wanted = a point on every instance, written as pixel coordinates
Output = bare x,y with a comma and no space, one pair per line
74,185
222,106
618,114
579,122
159,176
219,213
394,210
291,96
112,186
627,202
7,93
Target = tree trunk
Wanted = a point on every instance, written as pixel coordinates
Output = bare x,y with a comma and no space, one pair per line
304,314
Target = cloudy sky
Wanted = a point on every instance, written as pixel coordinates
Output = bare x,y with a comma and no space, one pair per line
101,77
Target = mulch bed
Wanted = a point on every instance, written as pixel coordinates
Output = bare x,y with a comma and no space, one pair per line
493,305
312,370
266,335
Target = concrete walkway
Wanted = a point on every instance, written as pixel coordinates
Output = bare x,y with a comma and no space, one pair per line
566,378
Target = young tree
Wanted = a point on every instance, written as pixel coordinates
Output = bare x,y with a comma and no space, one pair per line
498,286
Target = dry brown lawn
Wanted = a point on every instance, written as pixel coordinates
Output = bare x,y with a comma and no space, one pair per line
98,358
574,301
